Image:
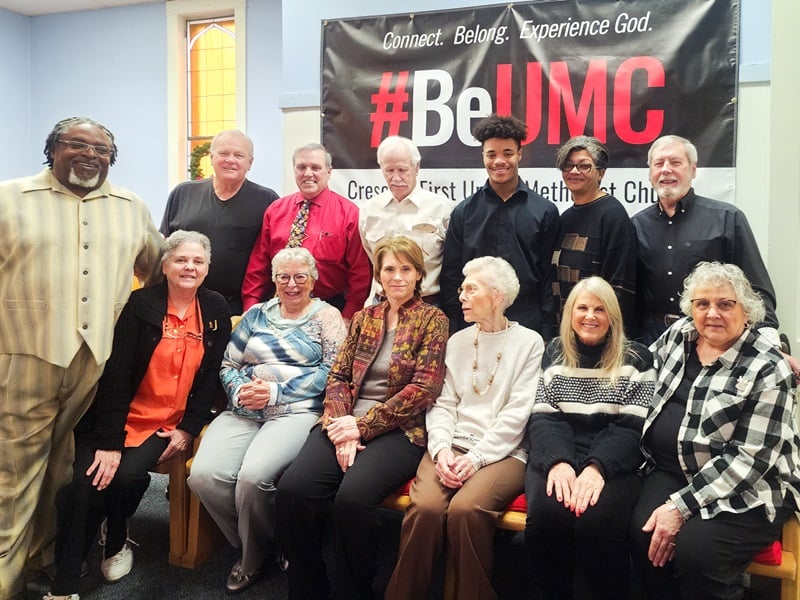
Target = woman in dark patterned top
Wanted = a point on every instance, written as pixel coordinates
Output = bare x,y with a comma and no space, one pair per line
581,482
720,440
371,436
597,236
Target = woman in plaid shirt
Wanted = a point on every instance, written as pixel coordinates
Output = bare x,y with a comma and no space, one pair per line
721,475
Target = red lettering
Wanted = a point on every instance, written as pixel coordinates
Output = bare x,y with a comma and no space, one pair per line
533,102
594,88
623,91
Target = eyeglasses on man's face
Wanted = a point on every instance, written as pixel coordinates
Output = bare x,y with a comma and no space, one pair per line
285,278
582,167
703,305
83,146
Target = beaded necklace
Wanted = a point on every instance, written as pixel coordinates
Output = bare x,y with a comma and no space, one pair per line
475,361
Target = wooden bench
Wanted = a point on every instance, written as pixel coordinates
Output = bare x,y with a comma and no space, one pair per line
513,519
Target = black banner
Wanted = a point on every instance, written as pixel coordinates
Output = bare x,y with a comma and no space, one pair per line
625,71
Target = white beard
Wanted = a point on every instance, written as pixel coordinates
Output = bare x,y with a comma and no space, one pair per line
90,184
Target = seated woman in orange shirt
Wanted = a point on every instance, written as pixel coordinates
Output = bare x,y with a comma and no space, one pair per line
154,397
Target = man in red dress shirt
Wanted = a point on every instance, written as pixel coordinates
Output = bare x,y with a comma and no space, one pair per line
330,234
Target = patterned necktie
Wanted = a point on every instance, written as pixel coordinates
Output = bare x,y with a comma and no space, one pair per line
298,231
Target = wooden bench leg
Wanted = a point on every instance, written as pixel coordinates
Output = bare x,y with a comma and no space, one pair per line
204,537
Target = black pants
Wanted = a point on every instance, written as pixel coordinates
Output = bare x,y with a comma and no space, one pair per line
598,538
81,508
710,554
314,487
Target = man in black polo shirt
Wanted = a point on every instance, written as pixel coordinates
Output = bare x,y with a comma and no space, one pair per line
228,208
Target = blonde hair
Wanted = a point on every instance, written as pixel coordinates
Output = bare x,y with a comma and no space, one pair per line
613,355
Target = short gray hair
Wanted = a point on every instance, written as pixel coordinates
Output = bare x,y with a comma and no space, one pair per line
312,147
394,142
496,273
592,145
717,274
181,236
666,140
235,133
299,254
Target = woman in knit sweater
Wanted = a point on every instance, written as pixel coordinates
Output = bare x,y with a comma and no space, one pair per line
475,464
581,483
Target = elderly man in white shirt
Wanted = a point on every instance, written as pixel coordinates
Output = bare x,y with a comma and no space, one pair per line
406,209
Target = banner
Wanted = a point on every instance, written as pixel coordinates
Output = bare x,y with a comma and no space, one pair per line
624,71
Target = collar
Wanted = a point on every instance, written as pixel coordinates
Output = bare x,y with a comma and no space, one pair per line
45,180
317,200
521,187
410,198
681,206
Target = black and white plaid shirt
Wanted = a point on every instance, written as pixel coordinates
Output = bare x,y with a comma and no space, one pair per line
737,443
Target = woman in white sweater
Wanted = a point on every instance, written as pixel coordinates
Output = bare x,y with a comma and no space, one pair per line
475,464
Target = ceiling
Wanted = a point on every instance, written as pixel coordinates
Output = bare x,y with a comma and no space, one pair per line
45,7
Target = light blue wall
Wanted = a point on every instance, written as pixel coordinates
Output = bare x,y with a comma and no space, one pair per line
110,64
15,69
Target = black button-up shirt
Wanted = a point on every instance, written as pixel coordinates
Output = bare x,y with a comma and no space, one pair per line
524,230
701,229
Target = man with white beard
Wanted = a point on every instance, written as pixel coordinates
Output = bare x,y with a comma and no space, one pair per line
71,242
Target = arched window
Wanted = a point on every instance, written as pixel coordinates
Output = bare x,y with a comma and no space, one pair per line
211,82
206,87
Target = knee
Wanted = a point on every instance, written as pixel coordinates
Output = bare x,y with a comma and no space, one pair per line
349,506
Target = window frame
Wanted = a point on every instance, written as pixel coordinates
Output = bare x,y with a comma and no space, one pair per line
178,13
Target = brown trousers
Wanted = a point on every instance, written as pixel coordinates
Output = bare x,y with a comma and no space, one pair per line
468,515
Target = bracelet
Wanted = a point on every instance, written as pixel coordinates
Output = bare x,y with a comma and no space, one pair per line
672,506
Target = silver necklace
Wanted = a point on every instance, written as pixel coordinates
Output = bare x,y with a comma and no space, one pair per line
475,361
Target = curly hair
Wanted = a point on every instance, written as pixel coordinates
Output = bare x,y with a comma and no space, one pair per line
500,126
63,125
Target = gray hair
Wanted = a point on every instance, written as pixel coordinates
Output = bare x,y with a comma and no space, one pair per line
717,274
496,273
300,254
592,145
235,133
312,147
63,125
666,140
181,236
394,142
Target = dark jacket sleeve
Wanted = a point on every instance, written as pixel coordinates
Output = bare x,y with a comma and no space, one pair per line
104,422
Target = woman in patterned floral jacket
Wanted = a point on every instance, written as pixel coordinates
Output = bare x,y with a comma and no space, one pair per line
371,436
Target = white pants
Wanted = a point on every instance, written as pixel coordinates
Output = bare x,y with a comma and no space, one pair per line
235,473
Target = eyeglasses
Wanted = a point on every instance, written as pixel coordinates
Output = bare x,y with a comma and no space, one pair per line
469,290
83,146
285,278
723,306
582,167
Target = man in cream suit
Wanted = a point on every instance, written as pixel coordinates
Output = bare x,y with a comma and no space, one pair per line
71,241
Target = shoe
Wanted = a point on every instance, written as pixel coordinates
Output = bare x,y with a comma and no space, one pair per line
283,564
49,596
119,565
238,580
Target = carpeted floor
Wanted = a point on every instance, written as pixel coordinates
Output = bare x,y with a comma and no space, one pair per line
152,578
